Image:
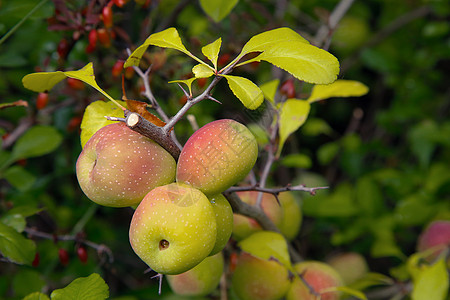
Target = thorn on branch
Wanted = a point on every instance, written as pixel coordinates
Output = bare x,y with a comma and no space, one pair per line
188,95
213,99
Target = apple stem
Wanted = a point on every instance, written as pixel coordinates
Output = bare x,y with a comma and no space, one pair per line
139,124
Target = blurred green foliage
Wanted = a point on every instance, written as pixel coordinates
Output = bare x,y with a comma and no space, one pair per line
385,155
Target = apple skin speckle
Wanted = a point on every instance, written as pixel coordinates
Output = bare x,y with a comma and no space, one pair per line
119,166
217,156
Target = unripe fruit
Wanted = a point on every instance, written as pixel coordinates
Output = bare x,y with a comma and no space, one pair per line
224,221
351,266
292,215
173,229
119,166
244,226
217,156
200,280
320,278
435,236
255,278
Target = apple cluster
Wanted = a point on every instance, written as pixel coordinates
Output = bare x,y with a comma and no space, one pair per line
181,217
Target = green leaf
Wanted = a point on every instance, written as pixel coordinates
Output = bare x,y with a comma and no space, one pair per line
94,118
297,160
432,282
339,88
303,61
269,90
202,71
19,177
316,126
187,82
267,245
15,246
211,51
37,141
327,152
292,115
246,91
168,38
27,281
45,81
352,292
83,288
338,204
15,217
218,9
268,39
36,296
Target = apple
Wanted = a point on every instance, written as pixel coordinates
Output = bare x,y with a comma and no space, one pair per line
224,221
320,278
435,236
244,226
119,166
292,215
255,278
352,266
217,156
201,280
173,229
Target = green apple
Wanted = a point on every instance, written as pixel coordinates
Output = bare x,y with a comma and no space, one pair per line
217,156
292,215
201,280
352,266
244,226
119,166
255,278
435,236
224,221
173,229
320,278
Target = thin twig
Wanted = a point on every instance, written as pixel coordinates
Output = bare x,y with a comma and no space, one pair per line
276,191
324,32
101,248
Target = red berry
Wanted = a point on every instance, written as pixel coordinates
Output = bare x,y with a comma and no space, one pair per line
120,3
103,37
90,48
224,59
74,123
75,84
36,260
92,37
82,254
107,16
63,256
201,82
117,68
63,48
129,72
288,89
42,100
